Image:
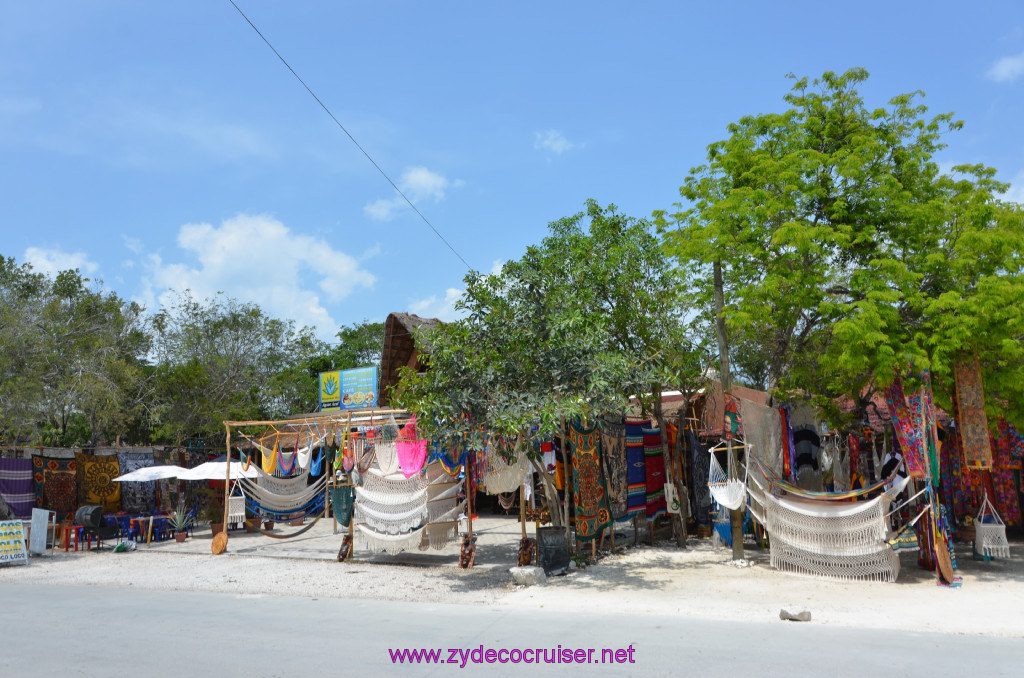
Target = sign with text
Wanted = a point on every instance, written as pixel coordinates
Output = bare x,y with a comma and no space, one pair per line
348,389
12,543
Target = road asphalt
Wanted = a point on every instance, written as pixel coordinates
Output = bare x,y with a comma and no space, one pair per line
111,631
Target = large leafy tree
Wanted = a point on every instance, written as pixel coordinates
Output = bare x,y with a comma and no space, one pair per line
71,359
846,254
223,359
575,328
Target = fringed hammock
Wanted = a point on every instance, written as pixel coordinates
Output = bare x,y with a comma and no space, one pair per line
502,476
990,537
377,542
728,492
843,541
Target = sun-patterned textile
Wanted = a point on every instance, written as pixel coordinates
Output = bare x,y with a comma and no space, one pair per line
589,497
97,482
613,463
636,473
654,474
55,484
906,421
136,497
972,421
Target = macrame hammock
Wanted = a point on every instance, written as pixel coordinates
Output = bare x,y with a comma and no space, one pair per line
843,541
728,492
990,537
502,476
443,508
391,509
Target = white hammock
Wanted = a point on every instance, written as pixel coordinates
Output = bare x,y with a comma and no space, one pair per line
728,493
502,476
438,535
990,538
377,542
844,541
305,453
293,485
282,502
382,518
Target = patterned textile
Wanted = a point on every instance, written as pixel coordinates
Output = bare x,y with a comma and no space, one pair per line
972,422
164,488
589,497
906,421
16,485
97,482
732,423
854,443
1002,480
636,474
654,474
342,500
788,448
136,497
55,484
613,463
700,459
547,452
955,483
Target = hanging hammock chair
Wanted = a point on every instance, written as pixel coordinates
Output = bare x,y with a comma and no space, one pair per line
990,533
729,493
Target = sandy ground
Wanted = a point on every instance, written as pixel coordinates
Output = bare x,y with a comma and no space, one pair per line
696,582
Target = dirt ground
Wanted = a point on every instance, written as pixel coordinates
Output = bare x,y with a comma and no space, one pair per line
699,581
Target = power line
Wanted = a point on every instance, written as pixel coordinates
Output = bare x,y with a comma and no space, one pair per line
352,138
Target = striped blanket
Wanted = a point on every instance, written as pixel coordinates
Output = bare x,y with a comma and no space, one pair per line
636,474
654,473
16,485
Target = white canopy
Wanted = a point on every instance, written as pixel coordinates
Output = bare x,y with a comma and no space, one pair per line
147,473
214,470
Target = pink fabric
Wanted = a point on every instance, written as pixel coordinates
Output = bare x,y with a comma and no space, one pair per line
412,453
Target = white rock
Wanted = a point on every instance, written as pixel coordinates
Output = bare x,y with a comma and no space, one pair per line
529,575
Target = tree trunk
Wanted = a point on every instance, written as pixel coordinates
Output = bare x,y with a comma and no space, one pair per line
725,376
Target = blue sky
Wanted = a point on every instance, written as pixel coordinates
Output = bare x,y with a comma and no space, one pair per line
161,145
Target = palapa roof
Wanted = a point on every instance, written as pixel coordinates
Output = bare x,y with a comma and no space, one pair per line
406,339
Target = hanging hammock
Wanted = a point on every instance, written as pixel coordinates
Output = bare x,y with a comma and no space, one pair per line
729,493
377,542
990,537
503,476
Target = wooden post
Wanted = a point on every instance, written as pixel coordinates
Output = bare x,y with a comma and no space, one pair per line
522,508
566,479
227,479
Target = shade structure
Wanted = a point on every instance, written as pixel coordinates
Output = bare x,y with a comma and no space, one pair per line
147,473
215,470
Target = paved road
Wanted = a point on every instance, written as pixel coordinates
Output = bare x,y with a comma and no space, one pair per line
83,631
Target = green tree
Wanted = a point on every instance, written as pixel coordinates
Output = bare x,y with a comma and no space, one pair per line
846,254
226,360
72,358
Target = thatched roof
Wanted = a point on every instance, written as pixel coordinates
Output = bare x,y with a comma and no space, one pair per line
406,339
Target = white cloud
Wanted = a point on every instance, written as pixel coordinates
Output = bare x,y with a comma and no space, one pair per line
1016,191
256,258
133,244
552,140
497,266
1007,69
440,308
53,261
420,185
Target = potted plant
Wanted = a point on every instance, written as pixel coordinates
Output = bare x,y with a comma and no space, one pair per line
179,522
214,514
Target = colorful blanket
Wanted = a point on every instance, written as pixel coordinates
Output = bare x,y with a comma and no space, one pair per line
55,484
972,422
136,497
636,474
97,486
613,463
589,496
654,467
907,424
1002,479
16,485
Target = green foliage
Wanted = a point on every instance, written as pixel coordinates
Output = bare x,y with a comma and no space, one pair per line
71,359
574,328
226,360
847,254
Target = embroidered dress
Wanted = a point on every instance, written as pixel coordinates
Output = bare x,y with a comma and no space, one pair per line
589,497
